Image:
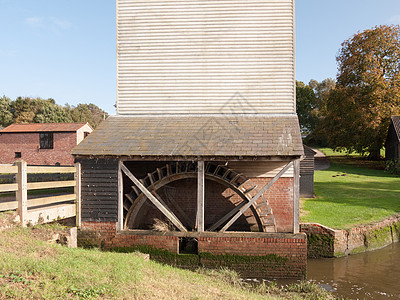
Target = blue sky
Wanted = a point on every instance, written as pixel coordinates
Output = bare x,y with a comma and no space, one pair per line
65,49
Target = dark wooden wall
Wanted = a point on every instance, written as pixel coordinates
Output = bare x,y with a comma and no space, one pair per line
99,189
392,144
307,174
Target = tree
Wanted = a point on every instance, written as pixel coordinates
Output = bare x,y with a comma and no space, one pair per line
87,113
305,105
47,111
367,91
311,108
5,111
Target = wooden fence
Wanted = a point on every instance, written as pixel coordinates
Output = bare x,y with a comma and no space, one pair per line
41,209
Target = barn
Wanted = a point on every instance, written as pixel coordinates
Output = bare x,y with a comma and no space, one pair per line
205,147
392,145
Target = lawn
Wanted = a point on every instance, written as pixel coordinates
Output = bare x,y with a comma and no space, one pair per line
30,268
347,195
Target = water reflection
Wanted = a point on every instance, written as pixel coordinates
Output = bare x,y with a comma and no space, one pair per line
370,275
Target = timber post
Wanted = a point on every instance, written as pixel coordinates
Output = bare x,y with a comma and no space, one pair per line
77,192
120,223
200,196
22,192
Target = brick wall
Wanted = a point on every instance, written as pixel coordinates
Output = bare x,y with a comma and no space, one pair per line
280,197
28,145
267,255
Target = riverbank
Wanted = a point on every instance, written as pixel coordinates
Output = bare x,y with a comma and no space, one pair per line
34,268
323,241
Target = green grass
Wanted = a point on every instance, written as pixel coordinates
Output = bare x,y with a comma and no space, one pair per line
347,195
331,152
33,269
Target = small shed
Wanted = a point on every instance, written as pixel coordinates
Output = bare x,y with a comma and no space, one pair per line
392,144
41,143
307,173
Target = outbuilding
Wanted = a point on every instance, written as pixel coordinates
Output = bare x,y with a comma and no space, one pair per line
392,145
41,143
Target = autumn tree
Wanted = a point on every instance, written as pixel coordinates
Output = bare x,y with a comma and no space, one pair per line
367,91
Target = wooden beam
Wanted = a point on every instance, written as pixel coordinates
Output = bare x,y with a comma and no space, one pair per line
296,196
78,195
50,169
50,184
200,196
53,213
153,199
50,200
258,195
8,187
8,169
120,223
22,193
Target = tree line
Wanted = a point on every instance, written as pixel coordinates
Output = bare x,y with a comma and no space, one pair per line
38,110
353,112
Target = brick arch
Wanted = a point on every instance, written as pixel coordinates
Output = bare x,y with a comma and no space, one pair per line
221,174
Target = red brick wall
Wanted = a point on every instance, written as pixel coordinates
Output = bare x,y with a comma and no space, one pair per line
283,255
28,145
280,197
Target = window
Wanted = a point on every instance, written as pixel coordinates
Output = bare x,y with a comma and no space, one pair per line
46,140
18,155
85,134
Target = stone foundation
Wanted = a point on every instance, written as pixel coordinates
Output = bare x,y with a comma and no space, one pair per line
264,255
326,242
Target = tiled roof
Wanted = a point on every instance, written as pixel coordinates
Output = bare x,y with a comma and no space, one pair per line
194,136
396,124
40,127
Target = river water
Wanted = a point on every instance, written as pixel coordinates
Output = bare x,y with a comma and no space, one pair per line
369,275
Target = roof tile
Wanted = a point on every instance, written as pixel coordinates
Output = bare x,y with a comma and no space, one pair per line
194,136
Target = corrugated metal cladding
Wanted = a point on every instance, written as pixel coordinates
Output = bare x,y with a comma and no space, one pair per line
205,56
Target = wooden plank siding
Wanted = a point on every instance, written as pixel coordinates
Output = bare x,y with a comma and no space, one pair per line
205,57
307,164
99,188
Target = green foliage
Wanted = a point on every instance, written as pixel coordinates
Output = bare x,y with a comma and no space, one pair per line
367,91
311,108
38,110
305,107
6,115
393,166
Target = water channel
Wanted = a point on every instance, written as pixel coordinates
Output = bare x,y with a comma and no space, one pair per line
369,275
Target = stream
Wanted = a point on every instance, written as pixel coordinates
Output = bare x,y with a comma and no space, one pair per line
369,275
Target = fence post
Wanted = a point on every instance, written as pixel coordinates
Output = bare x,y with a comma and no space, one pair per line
77,191
22,192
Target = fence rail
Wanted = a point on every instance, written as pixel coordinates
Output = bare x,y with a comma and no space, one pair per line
41,209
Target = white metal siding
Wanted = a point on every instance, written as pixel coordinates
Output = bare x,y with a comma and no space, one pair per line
205,56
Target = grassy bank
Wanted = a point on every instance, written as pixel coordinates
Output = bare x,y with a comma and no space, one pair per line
353,191
30,268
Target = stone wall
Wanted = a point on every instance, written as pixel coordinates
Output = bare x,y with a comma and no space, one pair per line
326,242
267,255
